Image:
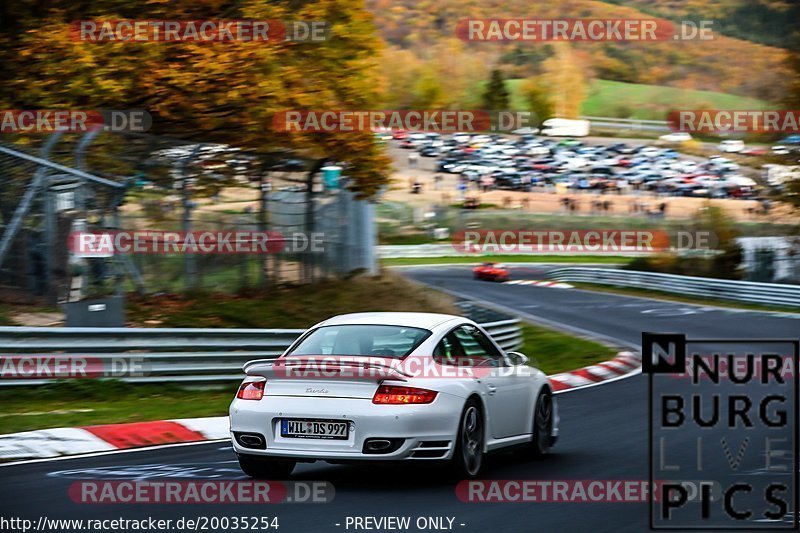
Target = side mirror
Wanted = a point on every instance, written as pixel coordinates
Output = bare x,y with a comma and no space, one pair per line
516,358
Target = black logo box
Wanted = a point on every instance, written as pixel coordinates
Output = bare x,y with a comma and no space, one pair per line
673,345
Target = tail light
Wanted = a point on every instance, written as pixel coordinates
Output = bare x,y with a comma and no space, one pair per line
391,394
251,390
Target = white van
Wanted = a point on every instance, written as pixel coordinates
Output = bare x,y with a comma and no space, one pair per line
731,146
676,137
565,127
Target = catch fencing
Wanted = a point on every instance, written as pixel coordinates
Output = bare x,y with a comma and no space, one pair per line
102,181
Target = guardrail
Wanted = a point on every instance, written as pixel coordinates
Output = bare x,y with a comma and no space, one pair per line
739,291
417,250
631,124
175,355
392,251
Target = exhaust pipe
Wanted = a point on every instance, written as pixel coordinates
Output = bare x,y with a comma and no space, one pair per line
378,445
252,440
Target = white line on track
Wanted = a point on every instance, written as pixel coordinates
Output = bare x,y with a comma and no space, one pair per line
111,452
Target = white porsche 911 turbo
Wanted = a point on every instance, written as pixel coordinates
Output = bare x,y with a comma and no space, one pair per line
390,387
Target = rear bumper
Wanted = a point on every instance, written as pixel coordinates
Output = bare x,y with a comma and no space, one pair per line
492,277
427,431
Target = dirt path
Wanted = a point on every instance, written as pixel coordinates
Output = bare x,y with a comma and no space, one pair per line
678,207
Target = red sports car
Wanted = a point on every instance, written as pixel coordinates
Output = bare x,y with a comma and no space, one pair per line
491,272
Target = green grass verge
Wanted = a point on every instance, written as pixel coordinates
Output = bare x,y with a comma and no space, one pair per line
606,98
89,402
5,320
552,351
507,258
634,291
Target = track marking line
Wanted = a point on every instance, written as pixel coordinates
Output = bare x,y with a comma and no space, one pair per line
539,283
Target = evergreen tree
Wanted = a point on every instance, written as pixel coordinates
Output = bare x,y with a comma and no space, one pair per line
495,96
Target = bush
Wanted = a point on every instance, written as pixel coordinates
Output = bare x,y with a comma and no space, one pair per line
724,264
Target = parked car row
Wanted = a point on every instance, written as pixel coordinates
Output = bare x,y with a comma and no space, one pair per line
787,146
525,162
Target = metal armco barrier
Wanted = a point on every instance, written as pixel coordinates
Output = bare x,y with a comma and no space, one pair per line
739,291
630,124
176,355
392,251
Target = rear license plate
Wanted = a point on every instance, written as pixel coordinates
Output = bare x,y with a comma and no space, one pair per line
301,428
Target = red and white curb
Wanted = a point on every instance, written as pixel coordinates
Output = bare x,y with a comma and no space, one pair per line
49,443
623,364
90,439
539,283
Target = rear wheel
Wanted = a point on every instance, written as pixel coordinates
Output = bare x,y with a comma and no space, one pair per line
543,424
265,468
468,456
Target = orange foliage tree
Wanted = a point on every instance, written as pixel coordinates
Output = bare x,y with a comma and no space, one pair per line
224,92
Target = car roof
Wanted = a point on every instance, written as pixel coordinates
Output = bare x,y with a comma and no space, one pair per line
415,320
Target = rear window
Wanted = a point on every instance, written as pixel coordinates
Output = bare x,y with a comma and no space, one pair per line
366,340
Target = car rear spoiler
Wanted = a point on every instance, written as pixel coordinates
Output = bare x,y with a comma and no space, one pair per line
326,368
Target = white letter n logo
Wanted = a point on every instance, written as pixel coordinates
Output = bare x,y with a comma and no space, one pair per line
663,353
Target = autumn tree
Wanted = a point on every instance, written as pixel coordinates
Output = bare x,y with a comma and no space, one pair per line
444,74
460,69
536,98
791,99
791,194
427,91
566,80
399,70
225,92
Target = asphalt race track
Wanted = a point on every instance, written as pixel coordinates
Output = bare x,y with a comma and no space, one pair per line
620,318
604,435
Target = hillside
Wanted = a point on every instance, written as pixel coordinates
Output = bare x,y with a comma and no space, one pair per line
763,21
652,102
606,98
425,30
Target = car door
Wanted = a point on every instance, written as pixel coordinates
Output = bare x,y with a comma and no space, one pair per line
506,391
